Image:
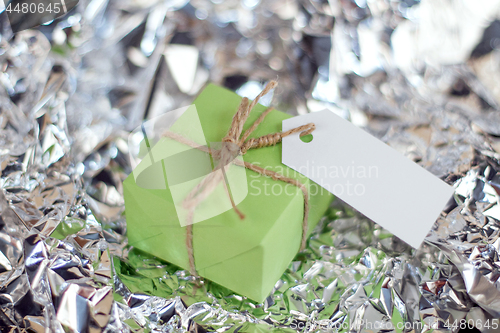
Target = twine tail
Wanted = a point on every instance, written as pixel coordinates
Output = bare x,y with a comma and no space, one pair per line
239,119
305,223
241,116
190,250
255,125
236,209
278,176
270,86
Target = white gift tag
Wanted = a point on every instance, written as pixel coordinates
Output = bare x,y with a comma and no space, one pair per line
367,174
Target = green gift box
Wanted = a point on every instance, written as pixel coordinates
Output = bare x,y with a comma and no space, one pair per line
247,256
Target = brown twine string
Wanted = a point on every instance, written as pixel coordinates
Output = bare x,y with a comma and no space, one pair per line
232,146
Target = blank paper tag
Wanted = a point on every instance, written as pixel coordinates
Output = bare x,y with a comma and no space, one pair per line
367,174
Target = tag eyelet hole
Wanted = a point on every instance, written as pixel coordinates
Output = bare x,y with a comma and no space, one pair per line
306,138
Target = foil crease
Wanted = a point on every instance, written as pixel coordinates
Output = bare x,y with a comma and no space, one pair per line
420,76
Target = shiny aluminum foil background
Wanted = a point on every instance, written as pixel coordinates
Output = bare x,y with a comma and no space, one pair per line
421,76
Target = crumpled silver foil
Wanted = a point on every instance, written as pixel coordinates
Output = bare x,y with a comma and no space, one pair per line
421,76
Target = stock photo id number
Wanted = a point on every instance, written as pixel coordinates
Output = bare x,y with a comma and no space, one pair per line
26,14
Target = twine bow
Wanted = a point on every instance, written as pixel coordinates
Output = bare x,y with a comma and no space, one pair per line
232,146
